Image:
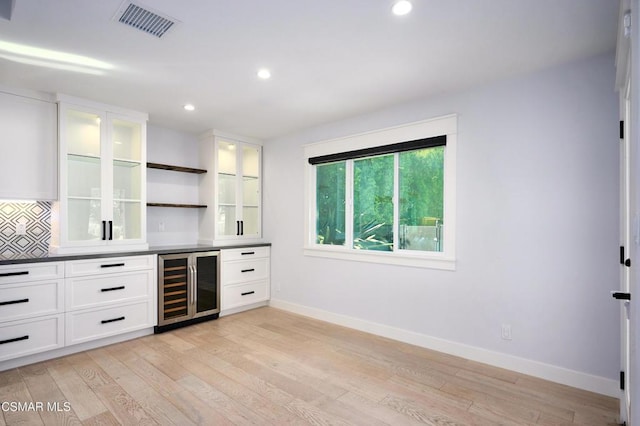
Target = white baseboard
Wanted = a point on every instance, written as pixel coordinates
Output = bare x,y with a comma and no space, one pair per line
541,370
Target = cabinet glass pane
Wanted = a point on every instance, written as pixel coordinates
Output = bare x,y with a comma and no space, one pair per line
127,140
82,133
127,220
251,220
250,191
84,221
227,220
226,189
126,180
173,288
227,152
206,283
250,161
83,176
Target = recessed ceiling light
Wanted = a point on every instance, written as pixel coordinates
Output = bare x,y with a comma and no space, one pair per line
401,7
264,73
189,107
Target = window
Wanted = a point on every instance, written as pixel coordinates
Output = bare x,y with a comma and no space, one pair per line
389,200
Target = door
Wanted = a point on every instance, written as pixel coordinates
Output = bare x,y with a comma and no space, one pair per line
83,176
173,293
205,269
626,241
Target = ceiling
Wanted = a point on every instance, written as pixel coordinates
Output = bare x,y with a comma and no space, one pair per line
329,59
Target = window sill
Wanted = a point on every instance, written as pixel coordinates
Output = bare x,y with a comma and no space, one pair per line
431,261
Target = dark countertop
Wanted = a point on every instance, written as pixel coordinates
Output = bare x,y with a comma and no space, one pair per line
185,248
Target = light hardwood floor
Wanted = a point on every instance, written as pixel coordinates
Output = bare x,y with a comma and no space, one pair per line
268,366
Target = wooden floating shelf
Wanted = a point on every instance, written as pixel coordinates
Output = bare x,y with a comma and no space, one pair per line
187,206
175,168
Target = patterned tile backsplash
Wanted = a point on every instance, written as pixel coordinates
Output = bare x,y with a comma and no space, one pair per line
37,220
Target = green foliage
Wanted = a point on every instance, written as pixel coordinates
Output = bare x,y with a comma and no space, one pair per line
421,196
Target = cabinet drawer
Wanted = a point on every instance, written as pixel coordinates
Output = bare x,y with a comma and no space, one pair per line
244,271
244,253
108,265
31,272
239,295
82,326
20,338
31,300
85,292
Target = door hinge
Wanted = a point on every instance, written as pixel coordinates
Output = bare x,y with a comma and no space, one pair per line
621,129
622,380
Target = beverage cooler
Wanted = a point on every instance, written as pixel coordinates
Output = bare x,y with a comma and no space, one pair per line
189,289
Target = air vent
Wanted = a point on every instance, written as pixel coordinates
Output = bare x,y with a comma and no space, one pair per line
144,20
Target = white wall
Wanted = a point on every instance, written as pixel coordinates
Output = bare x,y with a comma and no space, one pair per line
537,235
168,146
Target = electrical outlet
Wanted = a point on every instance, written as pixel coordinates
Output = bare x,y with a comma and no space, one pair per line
161,226
506,331
21,228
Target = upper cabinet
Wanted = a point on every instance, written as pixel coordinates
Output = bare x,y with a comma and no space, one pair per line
102,187
232,189
28,165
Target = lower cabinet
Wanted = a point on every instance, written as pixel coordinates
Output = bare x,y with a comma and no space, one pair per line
53,305
31,309
27,337
109,296
245,277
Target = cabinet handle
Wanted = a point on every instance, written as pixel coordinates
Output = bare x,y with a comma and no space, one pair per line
13,274
248,270
13,302
110,230
242,227
112,265
247,253
15,339
112,288
112,320
104,230
246,293
237,227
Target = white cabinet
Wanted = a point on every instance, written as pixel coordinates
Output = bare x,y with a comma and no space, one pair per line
102,188
232,189
31,309
245,277
109,296
29,164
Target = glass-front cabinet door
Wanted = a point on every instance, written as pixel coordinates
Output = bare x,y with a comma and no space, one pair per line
102,181
83,183
238,190
127,170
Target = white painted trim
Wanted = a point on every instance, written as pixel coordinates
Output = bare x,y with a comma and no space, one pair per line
419,260
541,370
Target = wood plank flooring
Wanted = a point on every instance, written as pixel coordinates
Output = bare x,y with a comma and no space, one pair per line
269,366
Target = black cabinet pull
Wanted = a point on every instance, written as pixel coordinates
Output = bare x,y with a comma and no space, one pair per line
13,274
13,302
247,293
247,253
110,230
112,265
112,320
242,227
248,270
16,339
104,230
237,227
112,288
